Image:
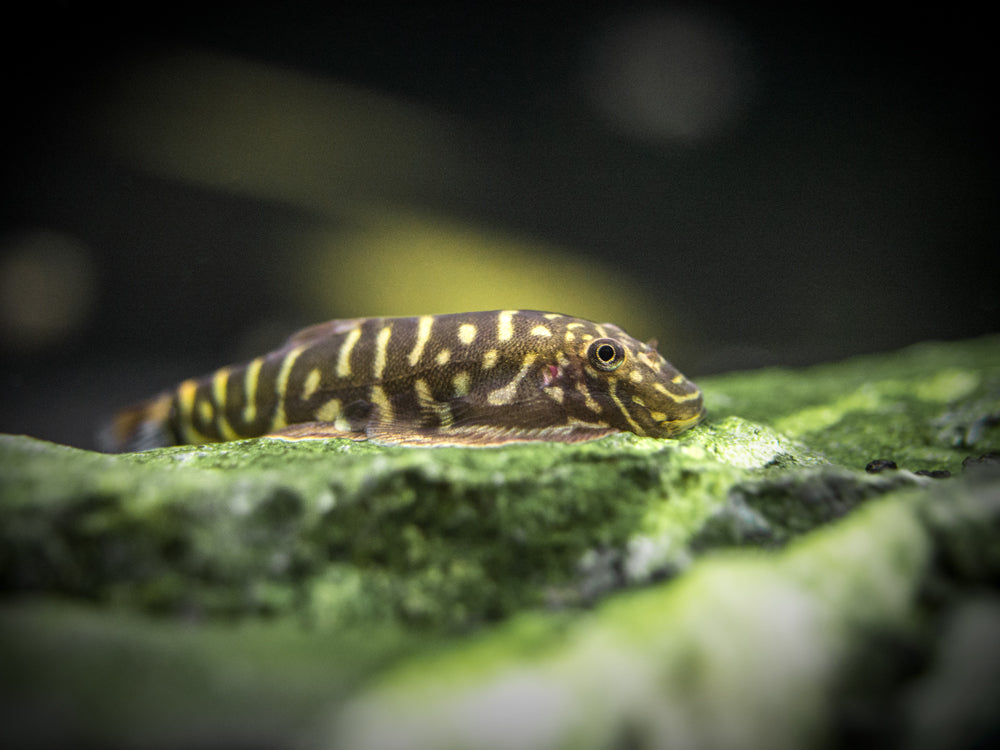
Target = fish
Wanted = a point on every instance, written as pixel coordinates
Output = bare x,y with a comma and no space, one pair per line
472,379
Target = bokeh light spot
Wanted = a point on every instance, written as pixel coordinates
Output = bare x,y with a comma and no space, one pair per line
668,74
47,289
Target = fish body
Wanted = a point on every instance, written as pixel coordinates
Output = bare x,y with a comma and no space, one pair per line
480,378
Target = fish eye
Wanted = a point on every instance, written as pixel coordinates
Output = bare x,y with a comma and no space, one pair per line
606,354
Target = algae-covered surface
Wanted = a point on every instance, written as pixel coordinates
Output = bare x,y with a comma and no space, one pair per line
746,585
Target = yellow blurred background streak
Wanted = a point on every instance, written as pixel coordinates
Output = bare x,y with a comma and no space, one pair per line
367,171
406,263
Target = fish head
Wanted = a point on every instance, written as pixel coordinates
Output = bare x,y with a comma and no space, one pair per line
634,386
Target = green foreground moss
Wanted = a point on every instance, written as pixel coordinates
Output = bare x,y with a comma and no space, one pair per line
629,591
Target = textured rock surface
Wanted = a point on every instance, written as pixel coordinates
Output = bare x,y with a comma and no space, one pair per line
720,590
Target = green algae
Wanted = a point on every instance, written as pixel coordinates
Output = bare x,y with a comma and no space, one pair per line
744,651
440,537
926,407
746,585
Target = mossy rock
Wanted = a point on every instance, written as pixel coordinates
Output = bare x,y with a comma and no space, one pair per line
747,585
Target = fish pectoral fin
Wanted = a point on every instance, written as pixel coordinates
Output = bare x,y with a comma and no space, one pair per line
354,423
583,434
359,413
405,434
433,437
483,435
490,435
471,435
531,419
315,431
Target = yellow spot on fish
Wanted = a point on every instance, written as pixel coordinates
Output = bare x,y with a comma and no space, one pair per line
423,333
570,336
329,411
378,398
635,376
658,416
555,392
505,325
281,386
205,411
344,355
588,400
586,337
186,393
381,342
311,383
461,384
250,380
490,359
443,356
686,397
638,400
552,316
466,333
507,393
612,391
428,403
220,384
423,392
677,378
185,397
540,331
227,432
676,397
220,381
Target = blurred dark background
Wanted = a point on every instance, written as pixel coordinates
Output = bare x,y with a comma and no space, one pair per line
185,185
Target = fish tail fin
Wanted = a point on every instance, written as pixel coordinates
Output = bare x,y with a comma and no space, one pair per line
139,427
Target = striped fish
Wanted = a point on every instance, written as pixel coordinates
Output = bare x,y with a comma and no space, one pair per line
480,378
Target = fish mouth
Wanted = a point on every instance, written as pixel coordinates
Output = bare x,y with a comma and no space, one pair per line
677,426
